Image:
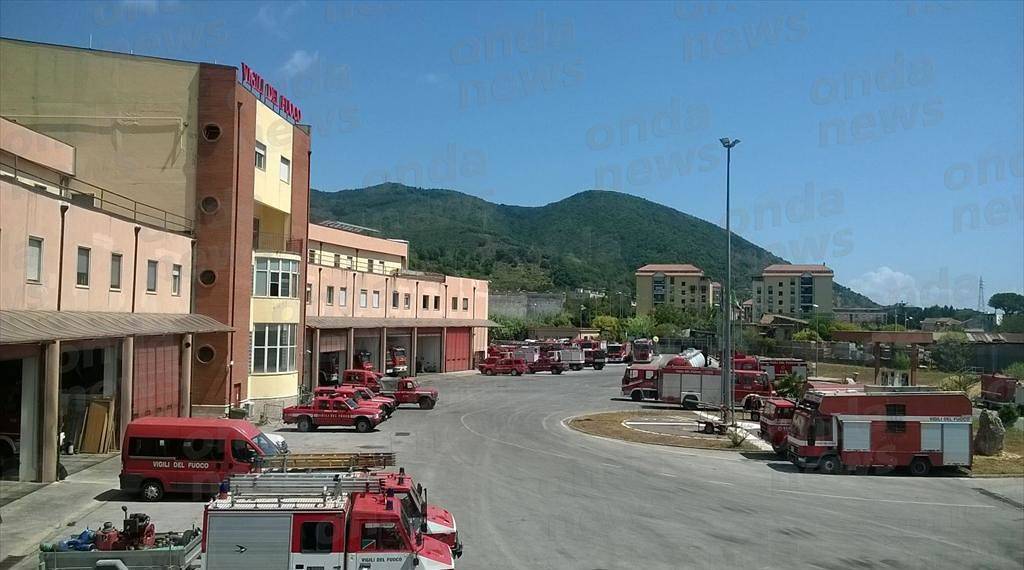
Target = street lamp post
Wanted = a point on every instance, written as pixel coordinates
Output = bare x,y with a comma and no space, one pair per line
582,308
727,380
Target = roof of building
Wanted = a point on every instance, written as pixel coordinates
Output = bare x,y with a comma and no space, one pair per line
115,53
19,327
994,338
786,269
771,319
943,320
398,322
671,268
340,225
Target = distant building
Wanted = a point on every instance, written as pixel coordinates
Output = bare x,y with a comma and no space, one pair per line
860,315
985,322
525,305
801,291
682,285
541,333
940,324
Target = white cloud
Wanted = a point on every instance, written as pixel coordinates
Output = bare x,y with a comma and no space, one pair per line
887,286
150,7
274,18
299,62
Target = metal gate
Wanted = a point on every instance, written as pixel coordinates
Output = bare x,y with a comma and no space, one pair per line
457,350
157,376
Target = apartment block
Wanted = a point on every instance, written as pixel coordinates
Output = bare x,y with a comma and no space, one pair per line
800,291
681,285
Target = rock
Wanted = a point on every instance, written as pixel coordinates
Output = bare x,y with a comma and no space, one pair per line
989,438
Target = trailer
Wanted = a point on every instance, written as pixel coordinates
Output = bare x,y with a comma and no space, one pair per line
998,390
881,426
572,357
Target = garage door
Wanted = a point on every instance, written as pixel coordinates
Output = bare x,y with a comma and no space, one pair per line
157,376
456,350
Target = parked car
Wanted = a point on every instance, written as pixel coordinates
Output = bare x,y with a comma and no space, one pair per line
495,365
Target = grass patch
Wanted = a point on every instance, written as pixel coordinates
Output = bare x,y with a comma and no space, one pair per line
1011,462
609,424
866,374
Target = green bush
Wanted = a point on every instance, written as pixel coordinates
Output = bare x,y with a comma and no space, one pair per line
900,361
1015,370
1009,414
807,335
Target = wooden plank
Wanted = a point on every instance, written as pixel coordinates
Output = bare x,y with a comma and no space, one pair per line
95,424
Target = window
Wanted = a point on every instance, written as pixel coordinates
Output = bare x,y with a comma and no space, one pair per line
394,299
342,297
426,301
184,449
437,302
151,272
465,303
286,170
242,451
330,294
381,537
276,278
273,348
309,293
407,301
892,426
82,277
455,303
261,156
176,280
311,256
316,536
362,298
376,299
115,272
34,260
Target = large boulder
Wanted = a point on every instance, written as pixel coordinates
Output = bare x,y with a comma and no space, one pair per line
989,438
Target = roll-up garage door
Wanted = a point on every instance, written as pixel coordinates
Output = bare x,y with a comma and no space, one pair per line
457,350
157,376
331,341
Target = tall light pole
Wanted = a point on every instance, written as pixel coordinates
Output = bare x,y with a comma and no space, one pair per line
727,294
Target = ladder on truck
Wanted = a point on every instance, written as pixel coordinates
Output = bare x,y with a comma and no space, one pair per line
327,461
322,485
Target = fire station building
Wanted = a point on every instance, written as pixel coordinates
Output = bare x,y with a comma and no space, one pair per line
362,298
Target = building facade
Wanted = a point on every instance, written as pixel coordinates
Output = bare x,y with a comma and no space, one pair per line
800,291
95,307
680,285
361,299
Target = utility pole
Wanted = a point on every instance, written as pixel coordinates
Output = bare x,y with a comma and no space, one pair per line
727,294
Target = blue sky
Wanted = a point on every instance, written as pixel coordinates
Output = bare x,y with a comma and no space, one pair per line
884,139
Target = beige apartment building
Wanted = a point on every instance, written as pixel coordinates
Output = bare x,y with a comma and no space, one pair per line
800,291
95,306
682,285
361,298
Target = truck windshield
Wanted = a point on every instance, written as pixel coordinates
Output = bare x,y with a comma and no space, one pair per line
801,424
266,446
351,404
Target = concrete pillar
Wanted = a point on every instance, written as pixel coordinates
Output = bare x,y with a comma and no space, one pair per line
51,405
878,360
444,341
349,352
185,387
472,347
913,364
315,360
412,353
127,382
28,467
382,359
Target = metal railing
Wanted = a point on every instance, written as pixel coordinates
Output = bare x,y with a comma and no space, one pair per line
364,265
263,241
81,193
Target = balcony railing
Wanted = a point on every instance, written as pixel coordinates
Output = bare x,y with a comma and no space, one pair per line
86,195
263,241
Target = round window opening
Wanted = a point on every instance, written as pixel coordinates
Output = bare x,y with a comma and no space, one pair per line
208,277
211,132
209,205
205,354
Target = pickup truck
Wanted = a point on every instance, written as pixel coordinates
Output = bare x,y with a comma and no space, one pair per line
546,364
403,390
362,396
495,365
333,411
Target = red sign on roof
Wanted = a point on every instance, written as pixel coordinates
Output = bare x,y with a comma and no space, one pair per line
269,94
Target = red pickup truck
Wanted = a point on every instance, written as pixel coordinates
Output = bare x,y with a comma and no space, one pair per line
333,411
403,390
362,396
495,365
546,363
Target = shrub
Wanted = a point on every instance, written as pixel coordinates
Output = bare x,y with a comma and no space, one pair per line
1009,415
900,361
1015,370
959,382
806,335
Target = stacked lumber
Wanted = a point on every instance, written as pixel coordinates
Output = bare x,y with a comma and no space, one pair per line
99,431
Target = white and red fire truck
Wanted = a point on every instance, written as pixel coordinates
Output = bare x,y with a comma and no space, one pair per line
309,524
774,367
618,352
643,350
691,380
881,426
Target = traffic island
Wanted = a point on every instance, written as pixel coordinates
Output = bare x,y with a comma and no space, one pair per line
671,428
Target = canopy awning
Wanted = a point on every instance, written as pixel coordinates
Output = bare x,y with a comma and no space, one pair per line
19,327
376,322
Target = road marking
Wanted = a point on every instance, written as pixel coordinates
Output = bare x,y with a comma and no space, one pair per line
660,423
462,420
925,503
669,475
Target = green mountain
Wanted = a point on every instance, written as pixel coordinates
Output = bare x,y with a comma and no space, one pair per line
594,239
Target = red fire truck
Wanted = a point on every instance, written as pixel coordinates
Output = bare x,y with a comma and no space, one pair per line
334,410
310,525
547,362
618,352
881,426
774,367
498,365
643,350
403,390
998,390
361,395
686,380
776,419
395,364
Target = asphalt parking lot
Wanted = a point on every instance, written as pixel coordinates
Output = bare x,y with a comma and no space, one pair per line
528,492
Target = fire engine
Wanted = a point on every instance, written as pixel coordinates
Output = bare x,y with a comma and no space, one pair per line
497,365
881,426
403,390
643,350
691,380
774,367
334,410
618,352
361,395
594,352
546,363
395,364
776,419
297,523
998,391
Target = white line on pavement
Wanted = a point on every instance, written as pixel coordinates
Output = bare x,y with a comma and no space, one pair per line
926,503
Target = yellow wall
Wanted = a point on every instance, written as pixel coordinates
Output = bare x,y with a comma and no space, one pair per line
276,310
276,133
273,385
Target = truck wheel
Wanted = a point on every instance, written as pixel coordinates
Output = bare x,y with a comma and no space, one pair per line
920,467
636,396
151,491
556,370
779,449
709,428
489,372
530,371
598,366
363,425
516,373
426,403
306,424
577,367
831,465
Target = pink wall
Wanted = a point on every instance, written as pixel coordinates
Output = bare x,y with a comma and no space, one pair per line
36,147
24,213
353,240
